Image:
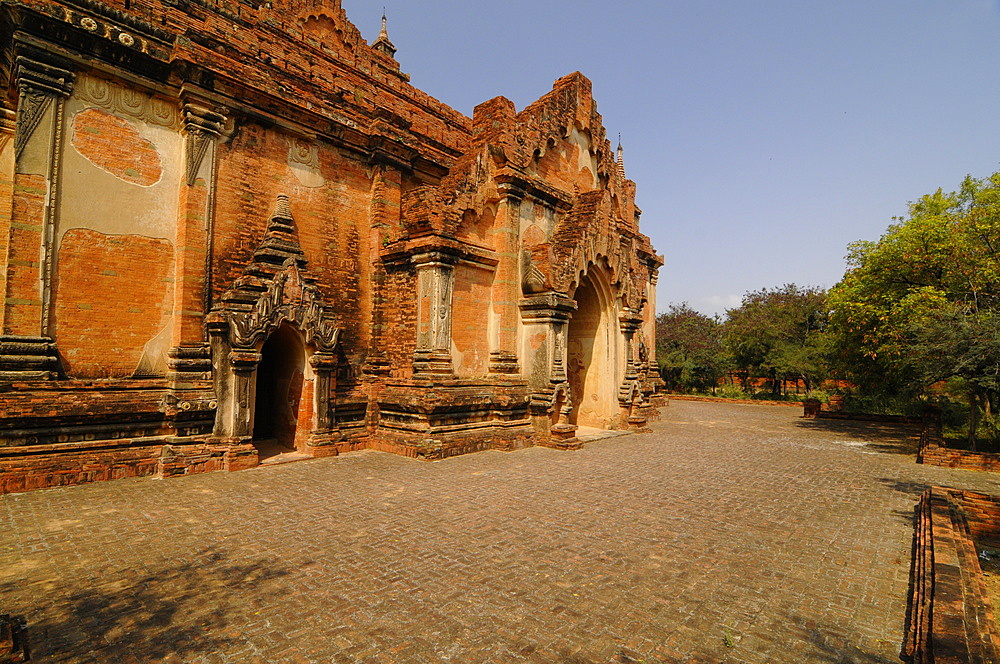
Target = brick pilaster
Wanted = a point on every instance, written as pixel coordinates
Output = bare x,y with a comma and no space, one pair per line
435,283
27,350
188,355
506,282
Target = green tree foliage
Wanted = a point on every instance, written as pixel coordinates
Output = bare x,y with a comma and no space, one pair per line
922,304
777,334
688,349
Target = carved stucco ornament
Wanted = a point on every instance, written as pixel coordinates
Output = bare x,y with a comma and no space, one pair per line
30,111
122,100
533,281
290,299
39,83
203,127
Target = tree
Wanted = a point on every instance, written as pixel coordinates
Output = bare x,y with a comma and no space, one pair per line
688,349
922,304
778,335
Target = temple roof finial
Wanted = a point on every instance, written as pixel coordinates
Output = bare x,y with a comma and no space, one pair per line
621,156
383,44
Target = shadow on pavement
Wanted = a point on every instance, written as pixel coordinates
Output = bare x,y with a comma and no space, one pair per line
836,649
904,486
887,438
180,611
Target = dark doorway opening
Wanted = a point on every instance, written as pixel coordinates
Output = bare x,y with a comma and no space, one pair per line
280,376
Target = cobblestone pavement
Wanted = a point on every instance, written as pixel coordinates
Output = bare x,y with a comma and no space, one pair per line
731,534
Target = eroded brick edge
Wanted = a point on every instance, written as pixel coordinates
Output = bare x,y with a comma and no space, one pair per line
951,618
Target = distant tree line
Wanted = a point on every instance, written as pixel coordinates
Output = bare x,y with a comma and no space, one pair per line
916,317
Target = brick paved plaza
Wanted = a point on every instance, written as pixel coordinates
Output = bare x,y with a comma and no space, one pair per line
731,534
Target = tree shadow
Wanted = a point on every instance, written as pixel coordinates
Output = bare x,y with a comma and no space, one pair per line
838,650
883,437
904,486
184,610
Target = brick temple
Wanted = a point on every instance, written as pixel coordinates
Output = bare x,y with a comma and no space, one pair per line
232,228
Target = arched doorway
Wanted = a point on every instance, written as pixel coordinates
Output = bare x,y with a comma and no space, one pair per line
591,354
280,377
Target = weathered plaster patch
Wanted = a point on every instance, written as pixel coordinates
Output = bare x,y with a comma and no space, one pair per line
154,354
86,187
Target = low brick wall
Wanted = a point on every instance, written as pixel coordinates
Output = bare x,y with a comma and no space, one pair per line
933,452
755,402
950,458
813,409
951,618
46,466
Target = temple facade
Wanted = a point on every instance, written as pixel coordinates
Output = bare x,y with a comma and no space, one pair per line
232,228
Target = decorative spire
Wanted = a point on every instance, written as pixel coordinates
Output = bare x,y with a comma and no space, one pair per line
281,218
621,157
383,44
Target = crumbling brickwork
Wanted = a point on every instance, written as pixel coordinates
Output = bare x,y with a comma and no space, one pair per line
951,616
229,229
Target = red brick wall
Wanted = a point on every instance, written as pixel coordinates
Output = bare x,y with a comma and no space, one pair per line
305,409
23,306
113,294
115,145
949,458
951,615
65,467
332,221
470,320
401,321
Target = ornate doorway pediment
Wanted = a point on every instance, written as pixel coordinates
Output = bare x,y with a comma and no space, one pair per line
275,288
290,299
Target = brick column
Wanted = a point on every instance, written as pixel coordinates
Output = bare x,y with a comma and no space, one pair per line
651,323
546,318
8,123
630,323
435,281
239,420
27,350
506,282
189,357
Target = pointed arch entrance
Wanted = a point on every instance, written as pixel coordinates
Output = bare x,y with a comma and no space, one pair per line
592,342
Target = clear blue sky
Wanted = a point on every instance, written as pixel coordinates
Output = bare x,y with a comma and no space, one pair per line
764,135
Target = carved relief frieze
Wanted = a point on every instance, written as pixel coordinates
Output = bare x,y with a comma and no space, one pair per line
533,280
303,160
630,394
30,110
119,99
303,152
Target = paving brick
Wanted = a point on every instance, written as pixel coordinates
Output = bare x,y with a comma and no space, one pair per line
793,537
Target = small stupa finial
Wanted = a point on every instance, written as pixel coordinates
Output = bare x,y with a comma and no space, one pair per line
383,44
621,156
